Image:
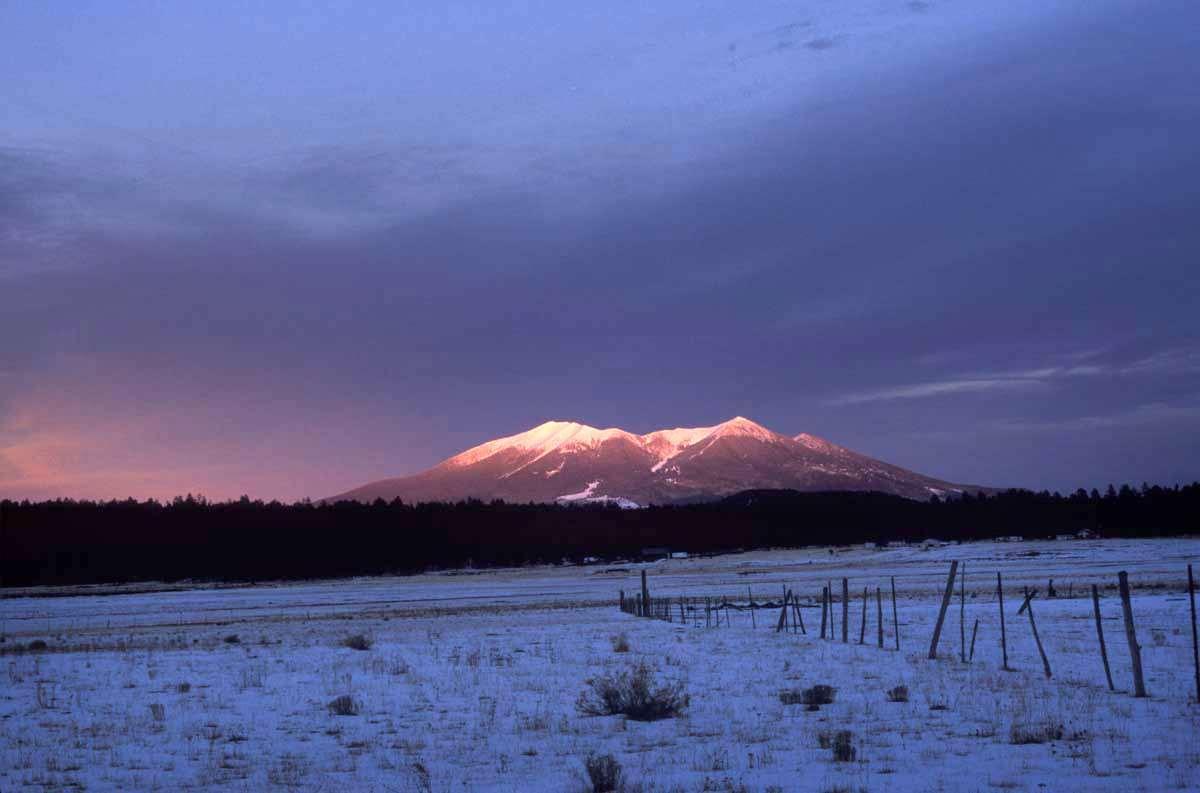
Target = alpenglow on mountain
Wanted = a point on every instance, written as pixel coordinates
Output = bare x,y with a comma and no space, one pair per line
566,462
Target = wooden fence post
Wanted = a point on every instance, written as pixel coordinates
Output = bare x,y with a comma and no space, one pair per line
962,613
1195,639
824,608
645,595
949,593
1135,652
1003,634
1028,604
832,618
845,611
862,632
622,600
879,614
753,619
974,633
783,613
895,615
1100,636
798,614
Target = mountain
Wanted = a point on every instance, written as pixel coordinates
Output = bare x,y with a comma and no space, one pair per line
566,462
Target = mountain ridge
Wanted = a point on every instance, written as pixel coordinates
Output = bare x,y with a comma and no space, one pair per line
569,462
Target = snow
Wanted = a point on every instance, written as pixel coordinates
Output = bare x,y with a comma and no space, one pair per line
541,440
586,493
570,436
472,678
588,496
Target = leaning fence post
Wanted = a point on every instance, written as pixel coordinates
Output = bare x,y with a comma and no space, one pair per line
782,614
895,615
753,619
974,633
1100,636
1195,640
1135,652
949,593
1003,634
862,632
1028,604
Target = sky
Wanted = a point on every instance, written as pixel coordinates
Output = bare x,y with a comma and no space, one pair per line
283,249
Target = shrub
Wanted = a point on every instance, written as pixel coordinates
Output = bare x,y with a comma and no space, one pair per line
184,687
232,639
157,711
1022,734
357,642
843,750
620,643
791,696
898,694
344,706
37,644
604,772
632,693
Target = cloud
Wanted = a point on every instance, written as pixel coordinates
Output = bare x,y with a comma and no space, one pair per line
1165,362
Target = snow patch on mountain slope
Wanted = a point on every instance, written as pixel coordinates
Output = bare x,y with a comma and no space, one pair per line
586,493
588,496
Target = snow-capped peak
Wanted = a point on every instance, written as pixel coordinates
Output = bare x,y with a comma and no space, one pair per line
815,443
741,426
543,439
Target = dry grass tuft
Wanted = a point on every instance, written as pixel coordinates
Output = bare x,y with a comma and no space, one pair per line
604,772
633,694
344,706
357,642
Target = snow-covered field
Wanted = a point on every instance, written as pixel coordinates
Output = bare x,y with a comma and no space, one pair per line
472,679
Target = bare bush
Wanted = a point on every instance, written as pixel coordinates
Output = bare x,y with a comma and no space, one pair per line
47,698
158,711
1044,732
37,645
344,706
184,687
289,772
604,772
791,696
812,698
843,749
632,693
232,638
620,643
898,694
357,642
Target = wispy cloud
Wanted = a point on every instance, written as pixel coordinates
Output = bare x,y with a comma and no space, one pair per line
1165,362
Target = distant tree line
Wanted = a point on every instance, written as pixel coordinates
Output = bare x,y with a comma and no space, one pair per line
75,542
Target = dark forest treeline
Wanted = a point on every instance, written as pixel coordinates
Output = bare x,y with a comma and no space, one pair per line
67,542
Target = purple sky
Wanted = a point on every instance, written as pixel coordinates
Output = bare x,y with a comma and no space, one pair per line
244,250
